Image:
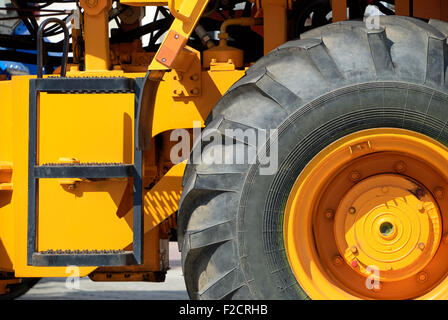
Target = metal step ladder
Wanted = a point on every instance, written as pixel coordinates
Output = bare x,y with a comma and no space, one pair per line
63,84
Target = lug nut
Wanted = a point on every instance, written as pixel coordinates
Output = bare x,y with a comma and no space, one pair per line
355,176
352,210
400,167
337,260
439,192
329,214
422,276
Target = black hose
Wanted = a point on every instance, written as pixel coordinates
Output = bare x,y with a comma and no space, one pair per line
128,36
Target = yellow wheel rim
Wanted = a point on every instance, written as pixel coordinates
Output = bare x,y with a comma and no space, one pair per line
367,218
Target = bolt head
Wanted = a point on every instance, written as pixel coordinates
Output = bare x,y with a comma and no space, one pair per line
92,3
329,213
422,276
421,246
439,192
400,167
337,260
355,176
354,250
352,210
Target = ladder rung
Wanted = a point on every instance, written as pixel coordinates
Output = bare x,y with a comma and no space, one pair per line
88,171
83,259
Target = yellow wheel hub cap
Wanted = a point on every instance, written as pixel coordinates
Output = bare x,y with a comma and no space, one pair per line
388,223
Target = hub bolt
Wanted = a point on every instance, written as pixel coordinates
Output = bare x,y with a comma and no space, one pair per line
355,176
329,214
439,192
422,276
400,167
337,260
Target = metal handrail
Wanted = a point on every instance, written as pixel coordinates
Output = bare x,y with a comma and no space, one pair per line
40,46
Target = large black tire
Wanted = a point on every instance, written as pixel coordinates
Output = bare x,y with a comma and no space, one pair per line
19,289
336,80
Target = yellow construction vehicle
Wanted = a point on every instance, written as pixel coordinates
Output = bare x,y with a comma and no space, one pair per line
292,153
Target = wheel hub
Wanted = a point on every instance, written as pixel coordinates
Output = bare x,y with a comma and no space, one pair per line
388,223
365,218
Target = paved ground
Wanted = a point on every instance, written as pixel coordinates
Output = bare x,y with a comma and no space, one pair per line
172,288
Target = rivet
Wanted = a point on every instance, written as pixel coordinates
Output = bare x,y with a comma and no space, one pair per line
354,250
194,91
385,189
421,246
352,210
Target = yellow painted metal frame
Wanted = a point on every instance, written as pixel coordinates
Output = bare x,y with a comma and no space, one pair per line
187,91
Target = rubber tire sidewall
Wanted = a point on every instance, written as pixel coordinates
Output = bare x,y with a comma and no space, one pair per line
306,132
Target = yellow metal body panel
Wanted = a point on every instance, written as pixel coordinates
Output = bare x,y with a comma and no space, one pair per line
6,154
172,112
14,215
163,199
89,128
